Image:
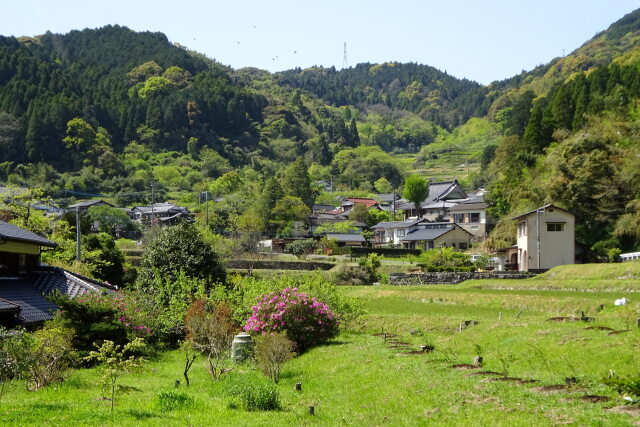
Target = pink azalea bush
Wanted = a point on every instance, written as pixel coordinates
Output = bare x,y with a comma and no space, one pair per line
304,320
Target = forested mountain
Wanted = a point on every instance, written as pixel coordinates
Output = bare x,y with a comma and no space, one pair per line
113,110
432,94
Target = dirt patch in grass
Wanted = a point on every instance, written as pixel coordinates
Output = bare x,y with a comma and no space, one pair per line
393,342
618,332
594,398
464,366
525,382
486,373
633,410
600,328
385,335
555,388
570,319
504,379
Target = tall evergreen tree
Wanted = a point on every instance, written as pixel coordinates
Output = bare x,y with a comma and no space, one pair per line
297,182
353,131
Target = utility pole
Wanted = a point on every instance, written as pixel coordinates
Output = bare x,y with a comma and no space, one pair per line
538,213
206,203
78,234
393,205
153,202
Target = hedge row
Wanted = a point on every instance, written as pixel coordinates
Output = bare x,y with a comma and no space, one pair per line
362,251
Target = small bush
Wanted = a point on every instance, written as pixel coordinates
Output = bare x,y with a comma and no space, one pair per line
51,355
95,318
301,248
353,275
15,349
210,331
272,351
629,385
168,400
252,393
305,321
445,259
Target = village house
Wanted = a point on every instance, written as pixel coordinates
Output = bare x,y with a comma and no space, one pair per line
392,232
347,239
546,238
83,206
24,282
162,213
472,215
431,235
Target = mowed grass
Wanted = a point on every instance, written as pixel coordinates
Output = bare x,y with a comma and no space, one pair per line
365,378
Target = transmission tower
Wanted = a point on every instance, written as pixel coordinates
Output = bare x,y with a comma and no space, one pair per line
345,64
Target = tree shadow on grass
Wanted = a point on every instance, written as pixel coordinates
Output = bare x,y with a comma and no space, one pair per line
336,342
142,415
290,373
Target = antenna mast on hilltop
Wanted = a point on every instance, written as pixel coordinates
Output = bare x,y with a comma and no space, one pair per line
344,59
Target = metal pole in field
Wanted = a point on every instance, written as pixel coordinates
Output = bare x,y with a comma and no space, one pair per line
78,234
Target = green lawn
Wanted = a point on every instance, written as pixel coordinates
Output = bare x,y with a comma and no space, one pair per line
364,379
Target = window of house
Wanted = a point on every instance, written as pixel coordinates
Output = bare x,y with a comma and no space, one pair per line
522,229
458,218
474,217
453,245
555,226
400,233
463,246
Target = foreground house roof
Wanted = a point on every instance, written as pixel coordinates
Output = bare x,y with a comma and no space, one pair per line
10,232
24,300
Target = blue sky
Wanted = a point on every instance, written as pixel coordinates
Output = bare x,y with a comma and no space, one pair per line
482,40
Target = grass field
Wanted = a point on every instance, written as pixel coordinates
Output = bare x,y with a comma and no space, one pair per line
367,378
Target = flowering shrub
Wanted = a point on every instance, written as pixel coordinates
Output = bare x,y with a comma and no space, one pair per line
305,321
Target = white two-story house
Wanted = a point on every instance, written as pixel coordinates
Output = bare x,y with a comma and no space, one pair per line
393,232
546,238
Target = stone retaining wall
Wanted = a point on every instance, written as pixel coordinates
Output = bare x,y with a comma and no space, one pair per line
451,277
278,265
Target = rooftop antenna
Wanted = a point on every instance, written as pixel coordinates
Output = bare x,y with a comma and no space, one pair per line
344,58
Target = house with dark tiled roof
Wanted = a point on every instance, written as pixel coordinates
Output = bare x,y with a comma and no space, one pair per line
20,249
347,239
25,283
431,235
472,215
433,207
162,213
391,232
89,203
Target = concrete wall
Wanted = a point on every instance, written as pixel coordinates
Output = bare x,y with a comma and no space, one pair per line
278,265
451,278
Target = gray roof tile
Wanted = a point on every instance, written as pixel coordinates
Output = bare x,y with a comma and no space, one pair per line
14,233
